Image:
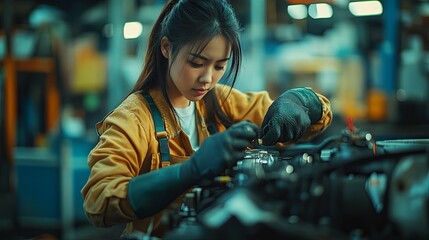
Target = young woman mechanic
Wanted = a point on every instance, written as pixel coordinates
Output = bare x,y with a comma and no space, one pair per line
180,126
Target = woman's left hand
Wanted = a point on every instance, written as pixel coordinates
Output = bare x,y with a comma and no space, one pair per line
285,121
290,115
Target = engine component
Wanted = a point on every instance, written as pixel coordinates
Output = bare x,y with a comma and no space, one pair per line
346,187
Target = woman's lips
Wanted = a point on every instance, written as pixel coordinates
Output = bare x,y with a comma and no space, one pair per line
199,91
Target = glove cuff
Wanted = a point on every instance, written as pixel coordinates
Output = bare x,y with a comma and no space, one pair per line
189,171
151,192
308,99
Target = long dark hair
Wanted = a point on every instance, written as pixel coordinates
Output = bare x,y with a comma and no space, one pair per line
191,22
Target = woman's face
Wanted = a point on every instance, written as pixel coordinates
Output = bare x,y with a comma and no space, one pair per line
193,74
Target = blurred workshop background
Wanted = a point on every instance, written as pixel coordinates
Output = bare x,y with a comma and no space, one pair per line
65,64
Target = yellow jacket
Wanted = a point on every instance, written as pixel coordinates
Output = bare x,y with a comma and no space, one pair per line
128,147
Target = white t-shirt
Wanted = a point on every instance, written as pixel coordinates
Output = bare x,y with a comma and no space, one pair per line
187,121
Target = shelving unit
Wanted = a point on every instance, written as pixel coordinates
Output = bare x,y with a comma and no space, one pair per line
11,67
35,65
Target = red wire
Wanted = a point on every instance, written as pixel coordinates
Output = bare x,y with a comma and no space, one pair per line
350,124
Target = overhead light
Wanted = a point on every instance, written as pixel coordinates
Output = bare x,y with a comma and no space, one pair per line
298,11
132,30
320,10
366,8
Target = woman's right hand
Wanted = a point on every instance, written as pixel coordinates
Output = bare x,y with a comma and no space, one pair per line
223,150
217,152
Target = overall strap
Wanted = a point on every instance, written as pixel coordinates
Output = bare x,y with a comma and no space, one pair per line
212,129
161,134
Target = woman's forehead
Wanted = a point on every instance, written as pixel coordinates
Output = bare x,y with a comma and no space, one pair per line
218,47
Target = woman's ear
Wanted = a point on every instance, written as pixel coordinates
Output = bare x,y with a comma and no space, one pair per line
165,47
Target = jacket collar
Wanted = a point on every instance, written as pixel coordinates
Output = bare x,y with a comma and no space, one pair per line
170,122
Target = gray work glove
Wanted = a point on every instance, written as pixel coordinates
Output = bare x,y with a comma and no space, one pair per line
223,150
151,192
290,115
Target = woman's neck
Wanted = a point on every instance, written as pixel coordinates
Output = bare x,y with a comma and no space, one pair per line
177,99
180,103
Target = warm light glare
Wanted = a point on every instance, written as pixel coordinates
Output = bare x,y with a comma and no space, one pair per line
366,8
298,11
132,30
320,10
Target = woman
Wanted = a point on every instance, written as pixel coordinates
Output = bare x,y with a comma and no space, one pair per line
180,126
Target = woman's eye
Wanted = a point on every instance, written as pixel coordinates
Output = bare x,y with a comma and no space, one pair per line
194,64
220,68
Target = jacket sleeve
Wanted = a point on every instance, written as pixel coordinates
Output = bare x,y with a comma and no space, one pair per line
253,106
116,158
240,106
324,122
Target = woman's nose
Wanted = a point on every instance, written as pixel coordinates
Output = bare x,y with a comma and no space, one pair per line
206,76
